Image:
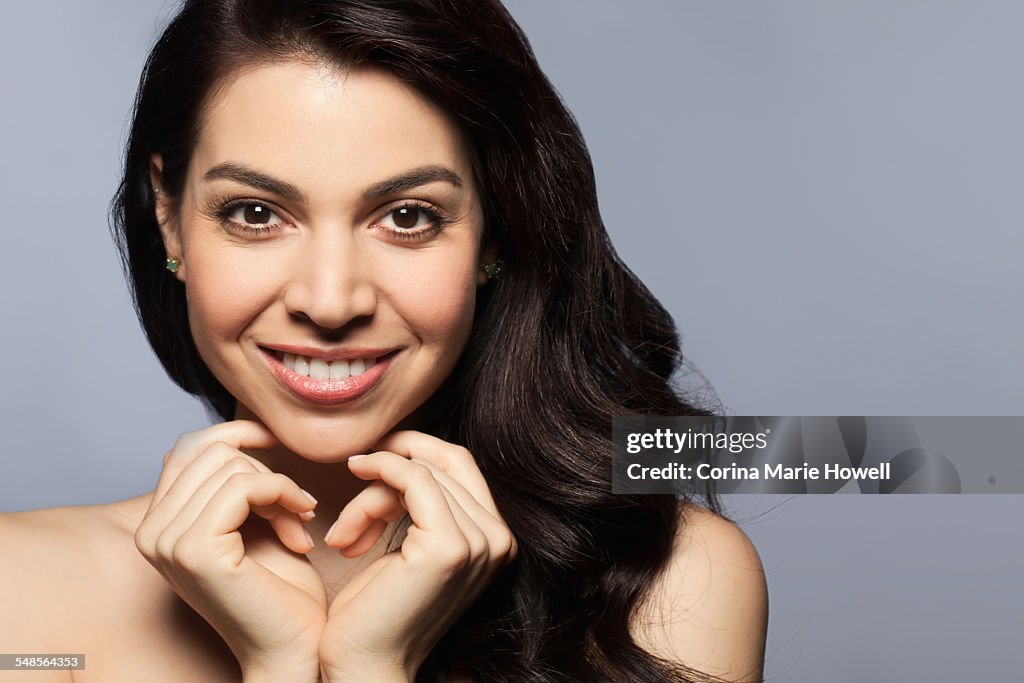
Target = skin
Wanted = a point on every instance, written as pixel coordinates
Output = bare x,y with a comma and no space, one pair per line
223,531
326,278
330,268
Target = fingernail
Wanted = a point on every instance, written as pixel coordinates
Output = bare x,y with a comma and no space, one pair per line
353,457
328,534
308,537
309,495
307,515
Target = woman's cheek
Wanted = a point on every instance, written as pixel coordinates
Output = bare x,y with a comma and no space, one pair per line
437,301
226,289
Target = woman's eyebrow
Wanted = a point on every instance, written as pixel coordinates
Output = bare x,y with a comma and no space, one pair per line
405,181
410,179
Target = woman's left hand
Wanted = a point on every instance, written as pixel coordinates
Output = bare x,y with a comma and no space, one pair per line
385,621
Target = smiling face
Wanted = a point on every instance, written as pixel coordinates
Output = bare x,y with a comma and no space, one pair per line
333,216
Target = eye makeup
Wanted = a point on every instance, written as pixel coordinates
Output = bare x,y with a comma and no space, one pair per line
222,210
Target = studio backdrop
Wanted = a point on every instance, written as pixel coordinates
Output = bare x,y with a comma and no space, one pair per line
825,195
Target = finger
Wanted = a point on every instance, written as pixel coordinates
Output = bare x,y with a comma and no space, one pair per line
269,512
475,540
421,493
230,506
464,497
367,539
200,469
374,529
455,467
236,433
377,501
286,524
502,543
475,537
454,460
485,554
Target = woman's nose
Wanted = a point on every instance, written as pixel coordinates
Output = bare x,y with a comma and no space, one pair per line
331,283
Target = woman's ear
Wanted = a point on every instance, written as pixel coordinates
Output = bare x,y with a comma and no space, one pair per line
165,217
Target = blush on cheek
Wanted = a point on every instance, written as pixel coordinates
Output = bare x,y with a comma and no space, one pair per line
439,307
223,297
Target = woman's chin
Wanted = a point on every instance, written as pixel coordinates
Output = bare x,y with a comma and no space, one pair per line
332,445
324,438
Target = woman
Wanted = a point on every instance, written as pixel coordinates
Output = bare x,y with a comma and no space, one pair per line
366,235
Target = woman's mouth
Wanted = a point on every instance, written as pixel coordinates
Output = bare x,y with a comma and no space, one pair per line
325,381
318,368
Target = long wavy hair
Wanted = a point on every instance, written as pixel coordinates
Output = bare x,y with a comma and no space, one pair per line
566,338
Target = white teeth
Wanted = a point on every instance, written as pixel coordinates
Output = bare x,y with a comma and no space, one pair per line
318,369
339,369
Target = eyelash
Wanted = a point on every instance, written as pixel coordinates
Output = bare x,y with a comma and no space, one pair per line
438,220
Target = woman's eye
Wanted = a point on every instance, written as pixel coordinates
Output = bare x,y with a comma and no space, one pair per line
251,214
410,221
407,218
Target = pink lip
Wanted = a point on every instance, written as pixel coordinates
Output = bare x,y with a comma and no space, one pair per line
328,391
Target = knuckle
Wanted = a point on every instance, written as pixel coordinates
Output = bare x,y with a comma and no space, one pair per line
282,479
460,455
505,545
239,464
237,481
454,556
479,551
176,458
186,440
421,475
143,543
283,482
508,539
185,554
164,549
219,449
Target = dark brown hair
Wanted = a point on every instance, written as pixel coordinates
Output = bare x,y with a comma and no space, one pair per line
566,338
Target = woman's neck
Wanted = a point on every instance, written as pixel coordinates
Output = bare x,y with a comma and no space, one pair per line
331,483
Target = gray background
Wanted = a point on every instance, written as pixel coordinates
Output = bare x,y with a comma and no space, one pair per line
824,194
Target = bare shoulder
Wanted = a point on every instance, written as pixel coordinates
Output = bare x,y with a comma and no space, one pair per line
73,581
54,563
49,541
709,609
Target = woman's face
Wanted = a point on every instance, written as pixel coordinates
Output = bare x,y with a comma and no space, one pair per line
335,217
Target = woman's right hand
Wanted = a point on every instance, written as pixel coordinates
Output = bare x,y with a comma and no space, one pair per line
270,612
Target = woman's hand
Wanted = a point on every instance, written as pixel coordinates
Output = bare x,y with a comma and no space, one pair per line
269,610
385,621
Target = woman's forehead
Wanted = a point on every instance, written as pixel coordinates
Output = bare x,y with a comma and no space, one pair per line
324,129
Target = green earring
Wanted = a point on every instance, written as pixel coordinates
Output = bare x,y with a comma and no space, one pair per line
491,270
172,265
